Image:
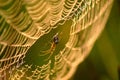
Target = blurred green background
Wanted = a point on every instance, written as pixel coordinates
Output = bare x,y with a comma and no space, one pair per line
103,63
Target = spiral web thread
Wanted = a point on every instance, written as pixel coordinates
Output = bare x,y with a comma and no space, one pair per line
22,22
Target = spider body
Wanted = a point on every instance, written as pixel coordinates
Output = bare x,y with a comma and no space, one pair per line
55,41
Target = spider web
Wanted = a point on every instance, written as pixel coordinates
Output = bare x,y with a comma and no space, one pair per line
23,22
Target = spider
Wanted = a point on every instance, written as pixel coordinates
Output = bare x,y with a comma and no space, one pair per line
55,41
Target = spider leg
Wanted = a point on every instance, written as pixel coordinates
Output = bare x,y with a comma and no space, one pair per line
45,52
60,37
50,51
49,56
